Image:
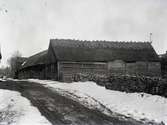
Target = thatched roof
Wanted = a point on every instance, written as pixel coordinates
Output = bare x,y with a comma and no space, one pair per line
37,59
93,51
102,51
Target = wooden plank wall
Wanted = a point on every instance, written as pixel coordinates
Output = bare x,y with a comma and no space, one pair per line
118,67
65,70
68,69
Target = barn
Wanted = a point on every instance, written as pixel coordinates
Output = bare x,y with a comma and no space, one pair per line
163,58
65,58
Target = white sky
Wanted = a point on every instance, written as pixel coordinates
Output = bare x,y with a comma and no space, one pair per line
27,25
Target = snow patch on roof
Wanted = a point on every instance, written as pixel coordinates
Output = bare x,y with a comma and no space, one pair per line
23,63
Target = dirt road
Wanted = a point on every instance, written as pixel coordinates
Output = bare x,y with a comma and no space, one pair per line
60,110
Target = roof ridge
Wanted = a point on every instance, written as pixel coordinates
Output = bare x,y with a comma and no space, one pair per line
114,41
100,44
39,53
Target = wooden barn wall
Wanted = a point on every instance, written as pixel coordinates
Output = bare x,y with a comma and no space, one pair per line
120,67
21,74
130,68
154,69
32,72
164,68
116,67
39,72
68,69
51,71
141,68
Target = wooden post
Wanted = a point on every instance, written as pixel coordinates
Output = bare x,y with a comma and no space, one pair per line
58,71
125,68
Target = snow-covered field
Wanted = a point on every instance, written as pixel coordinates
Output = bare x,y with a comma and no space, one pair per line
140,106
17,110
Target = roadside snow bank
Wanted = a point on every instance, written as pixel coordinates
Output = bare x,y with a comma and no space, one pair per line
17,110
135,105
2,80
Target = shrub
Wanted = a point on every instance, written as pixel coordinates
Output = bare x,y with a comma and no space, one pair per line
126,83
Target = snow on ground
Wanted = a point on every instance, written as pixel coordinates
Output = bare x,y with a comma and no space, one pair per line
2,80
140,106
17,110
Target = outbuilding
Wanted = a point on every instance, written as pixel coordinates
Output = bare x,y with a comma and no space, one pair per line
66,58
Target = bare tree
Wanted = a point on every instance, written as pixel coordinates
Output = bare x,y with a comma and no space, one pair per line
5,71
15,62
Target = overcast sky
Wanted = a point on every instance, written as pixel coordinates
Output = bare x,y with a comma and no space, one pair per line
27,25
